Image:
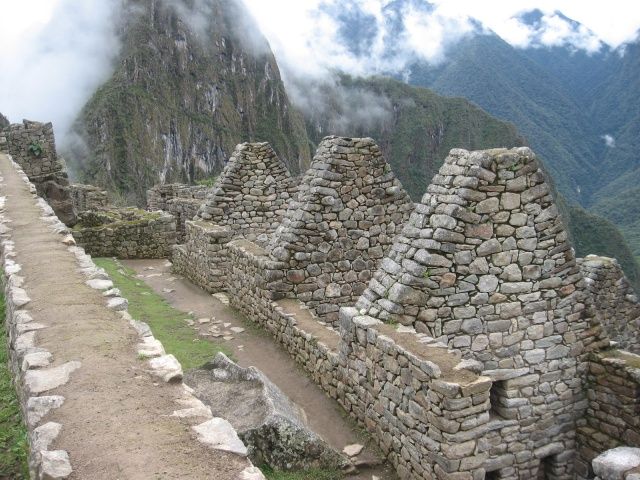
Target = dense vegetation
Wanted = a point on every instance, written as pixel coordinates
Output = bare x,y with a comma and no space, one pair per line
180,100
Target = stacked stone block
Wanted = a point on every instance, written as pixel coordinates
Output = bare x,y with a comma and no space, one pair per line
251,194
340,225
32,146
181,201
612,418
204,259
614,300
248,200
126,233
484,266
87,197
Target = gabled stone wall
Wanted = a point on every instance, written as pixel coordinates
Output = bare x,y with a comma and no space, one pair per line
251,194
248,200
337,229
484,266
614,300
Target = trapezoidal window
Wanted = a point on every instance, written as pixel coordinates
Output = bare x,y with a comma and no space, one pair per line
496,393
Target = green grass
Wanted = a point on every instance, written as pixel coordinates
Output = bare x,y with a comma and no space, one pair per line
312,474
167,323
14,446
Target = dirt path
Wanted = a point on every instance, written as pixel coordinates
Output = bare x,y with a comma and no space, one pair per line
255,347
115,415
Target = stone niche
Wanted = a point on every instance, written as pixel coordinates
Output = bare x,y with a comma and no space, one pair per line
32,145
484,266
125,233
339,226
248,200
614,300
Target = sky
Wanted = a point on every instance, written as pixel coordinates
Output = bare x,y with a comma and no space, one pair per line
57,52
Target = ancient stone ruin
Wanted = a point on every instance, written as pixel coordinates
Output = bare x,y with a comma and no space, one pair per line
461,331
479,349
32,145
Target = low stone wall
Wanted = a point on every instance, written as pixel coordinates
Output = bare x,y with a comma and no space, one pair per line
126,233
614,301
87,197
204,258
426,415
612,417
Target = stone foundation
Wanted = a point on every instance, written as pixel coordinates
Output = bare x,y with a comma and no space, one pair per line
126,233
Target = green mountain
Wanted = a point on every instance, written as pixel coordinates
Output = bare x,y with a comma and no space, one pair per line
190,84
414,126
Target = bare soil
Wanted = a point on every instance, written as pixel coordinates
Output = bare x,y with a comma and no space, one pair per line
255,347
115,418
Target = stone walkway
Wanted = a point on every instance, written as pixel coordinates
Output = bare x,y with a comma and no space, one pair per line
115,418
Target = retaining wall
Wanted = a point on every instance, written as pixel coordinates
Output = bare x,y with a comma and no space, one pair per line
126,233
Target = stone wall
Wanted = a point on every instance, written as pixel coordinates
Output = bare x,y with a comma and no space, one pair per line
425,410
181,201
204,258
484,266
340,225
32,146
126,233
251,194
615,302
248,199
612,418
87,197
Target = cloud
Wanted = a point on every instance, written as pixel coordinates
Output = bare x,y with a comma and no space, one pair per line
609,141
55,64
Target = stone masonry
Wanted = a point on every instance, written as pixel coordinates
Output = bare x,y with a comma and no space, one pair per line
181,201
32,146
478,348
126,233
251,194
87,197
337,229
616,304
248,199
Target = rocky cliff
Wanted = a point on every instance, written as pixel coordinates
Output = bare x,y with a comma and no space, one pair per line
190,84
4,122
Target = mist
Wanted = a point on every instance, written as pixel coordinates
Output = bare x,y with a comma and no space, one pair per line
52,69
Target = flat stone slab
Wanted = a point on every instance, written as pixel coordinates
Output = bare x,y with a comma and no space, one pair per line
167,368
38,407
272,427
100,284
614,463
38,381
220,434
55,465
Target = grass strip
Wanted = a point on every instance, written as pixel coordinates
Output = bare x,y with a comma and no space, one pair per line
167,323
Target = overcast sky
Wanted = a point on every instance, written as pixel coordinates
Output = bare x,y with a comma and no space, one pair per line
55,53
